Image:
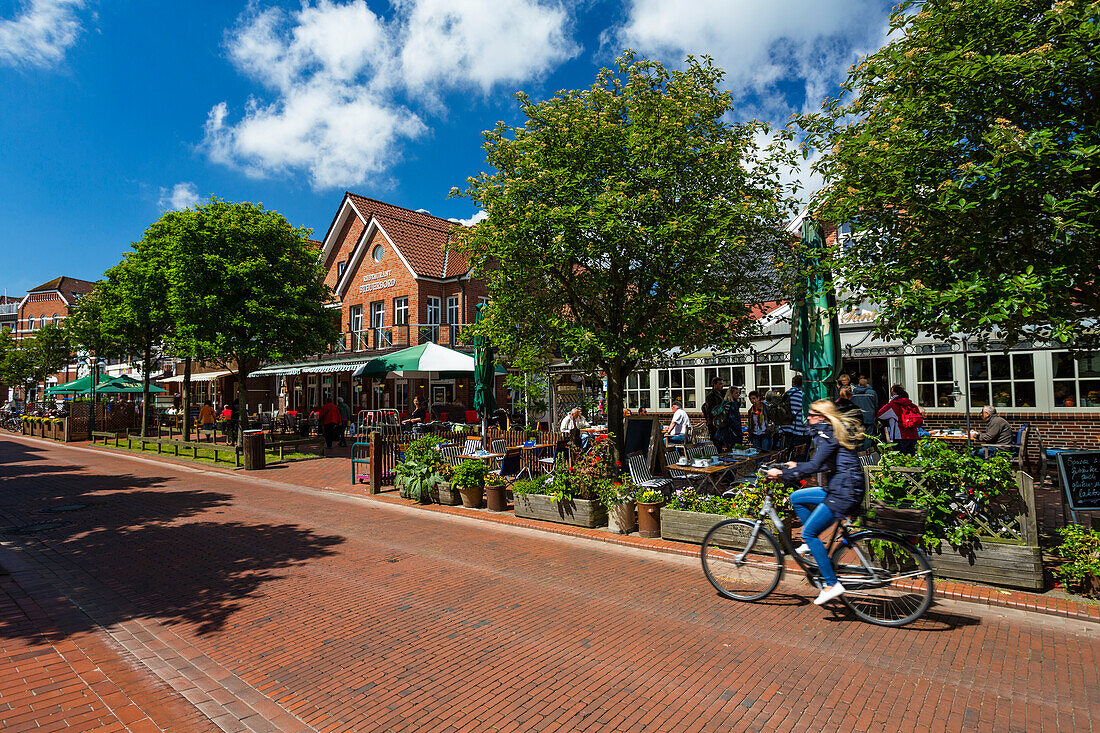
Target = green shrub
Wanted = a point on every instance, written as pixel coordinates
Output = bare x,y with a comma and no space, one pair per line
425,450
417,480
1080,549
540,485
470,474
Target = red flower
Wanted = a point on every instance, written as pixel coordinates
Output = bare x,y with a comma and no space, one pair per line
617,463
570,468
595,459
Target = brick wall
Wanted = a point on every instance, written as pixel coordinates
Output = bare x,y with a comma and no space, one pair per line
39,306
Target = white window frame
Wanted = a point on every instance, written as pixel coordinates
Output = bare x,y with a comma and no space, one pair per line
938,380
401,310
1076,380
639,390
454,310
1011,380
689,394
772,368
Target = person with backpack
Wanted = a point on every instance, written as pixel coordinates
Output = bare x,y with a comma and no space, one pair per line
789,409
714,415
902,418
761,428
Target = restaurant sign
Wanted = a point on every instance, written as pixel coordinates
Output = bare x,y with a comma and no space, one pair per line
857,315
377,281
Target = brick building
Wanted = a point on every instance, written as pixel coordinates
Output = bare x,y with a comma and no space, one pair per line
50,302
397,283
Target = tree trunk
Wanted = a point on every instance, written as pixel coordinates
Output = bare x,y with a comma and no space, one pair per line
186,398
146,365
617,372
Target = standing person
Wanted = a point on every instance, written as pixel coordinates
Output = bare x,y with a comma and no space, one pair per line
717,417
206,419
679,424
846,406
902,419
760,425
733,399
835,439
330,420
345,417
865,398
844,380
796,433
234,421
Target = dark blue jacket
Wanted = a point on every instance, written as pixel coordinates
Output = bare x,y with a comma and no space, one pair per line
844,475
865,399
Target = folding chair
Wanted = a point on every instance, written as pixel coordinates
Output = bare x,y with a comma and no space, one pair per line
639,474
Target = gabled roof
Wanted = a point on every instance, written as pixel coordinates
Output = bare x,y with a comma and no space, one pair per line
65,285
422,239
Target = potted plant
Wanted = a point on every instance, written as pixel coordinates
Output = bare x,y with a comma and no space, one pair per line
649,512
1080,549
469,479
617,497
496,490
1001,399
445,493
563,496
421,471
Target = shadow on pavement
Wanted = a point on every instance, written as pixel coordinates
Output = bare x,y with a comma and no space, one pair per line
932,620
162,550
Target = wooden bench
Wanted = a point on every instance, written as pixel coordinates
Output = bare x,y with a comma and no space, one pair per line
280,446
191,445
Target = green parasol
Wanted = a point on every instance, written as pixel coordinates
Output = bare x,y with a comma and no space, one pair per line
125,385
484,374
815,332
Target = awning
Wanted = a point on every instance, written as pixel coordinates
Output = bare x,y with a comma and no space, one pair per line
277,370
201,377
329,368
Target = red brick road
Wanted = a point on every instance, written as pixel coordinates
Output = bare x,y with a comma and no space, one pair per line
271,608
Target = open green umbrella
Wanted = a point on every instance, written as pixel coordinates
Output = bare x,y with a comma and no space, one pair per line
125,385
77,386
484,374
815,332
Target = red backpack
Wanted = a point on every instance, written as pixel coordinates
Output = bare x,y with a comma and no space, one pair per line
909,417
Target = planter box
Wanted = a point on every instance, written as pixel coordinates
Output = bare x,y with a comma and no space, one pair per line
1016,566
682,526
579,512
444,494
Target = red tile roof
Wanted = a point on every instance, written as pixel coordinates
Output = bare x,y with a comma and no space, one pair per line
65,285
424,240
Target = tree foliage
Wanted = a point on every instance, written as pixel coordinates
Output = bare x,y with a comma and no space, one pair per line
30,360
626,219
965,155
245,287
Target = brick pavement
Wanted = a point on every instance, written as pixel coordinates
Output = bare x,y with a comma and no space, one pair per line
292,605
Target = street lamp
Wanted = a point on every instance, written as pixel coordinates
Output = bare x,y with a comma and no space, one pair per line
956,393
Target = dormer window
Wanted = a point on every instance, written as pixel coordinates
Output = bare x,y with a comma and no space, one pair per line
340,267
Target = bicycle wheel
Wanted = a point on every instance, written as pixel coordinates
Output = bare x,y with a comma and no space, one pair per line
740,572
886,580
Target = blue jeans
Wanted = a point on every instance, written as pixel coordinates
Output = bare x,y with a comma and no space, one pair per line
815,518
762,442
675,439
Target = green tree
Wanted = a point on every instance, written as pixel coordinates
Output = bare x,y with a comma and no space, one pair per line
965,154
245,287
29,361
626,219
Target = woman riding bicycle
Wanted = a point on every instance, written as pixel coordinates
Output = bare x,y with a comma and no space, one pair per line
818,508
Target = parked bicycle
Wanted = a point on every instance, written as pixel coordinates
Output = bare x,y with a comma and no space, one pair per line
887,580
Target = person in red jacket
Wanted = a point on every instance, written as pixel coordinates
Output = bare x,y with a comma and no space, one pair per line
904,439
330,420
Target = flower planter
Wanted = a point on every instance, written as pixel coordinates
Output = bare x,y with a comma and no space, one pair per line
995,563
649,519
496,498
621,518
578,512
446,495
683,526
472,498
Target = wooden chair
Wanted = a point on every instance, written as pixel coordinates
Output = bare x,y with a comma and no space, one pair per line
451,455
639,474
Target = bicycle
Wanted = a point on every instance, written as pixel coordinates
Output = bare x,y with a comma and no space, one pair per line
887,580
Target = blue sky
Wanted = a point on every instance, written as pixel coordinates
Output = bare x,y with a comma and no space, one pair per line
115,112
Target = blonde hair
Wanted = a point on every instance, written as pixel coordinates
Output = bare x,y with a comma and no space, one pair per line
848,431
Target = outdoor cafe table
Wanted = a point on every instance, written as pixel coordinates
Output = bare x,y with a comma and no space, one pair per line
709,475
531,455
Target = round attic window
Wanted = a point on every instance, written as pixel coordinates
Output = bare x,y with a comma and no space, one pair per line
376,253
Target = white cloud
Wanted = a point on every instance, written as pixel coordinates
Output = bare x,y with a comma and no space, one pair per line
338,73
761,44
479,216
41,33
183,195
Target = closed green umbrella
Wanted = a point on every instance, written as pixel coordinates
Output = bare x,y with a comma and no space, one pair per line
484,374
815,332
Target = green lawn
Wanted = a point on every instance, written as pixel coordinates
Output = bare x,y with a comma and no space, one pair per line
206,455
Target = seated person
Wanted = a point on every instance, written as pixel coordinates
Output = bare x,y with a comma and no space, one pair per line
499,419
677,427
574,421
419,414
997,433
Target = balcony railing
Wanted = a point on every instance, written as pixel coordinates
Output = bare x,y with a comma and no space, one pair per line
401,336
8,309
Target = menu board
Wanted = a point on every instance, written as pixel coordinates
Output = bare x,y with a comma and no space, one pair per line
641,432
1080,471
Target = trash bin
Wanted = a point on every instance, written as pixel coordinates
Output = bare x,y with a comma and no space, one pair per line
253,450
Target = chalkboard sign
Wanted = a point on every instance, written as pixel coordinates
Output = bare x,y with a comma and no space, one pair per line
1080,472
640,434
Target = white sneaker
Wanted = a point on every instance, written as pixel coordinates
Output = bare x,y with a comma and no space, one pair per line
803,549
828,593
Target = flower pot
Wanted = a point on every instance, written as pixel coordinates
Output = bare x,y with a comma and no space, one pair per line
446,495
621,518
649,519
496,497
472,498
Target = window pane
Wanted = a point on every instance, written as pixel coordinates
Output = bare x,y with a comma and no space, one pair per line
643,400
926,393
737,376
1023,367
689,400
763,376
1025,394
689,377
662,379
1065,394
925,371
979,367
1088,367
1063,366
945,371
1090,393
979,394
998,367
943,395
677,378
1002,394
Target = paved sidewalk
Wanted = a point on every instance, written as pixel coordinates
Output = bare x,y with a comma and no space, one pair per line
345,613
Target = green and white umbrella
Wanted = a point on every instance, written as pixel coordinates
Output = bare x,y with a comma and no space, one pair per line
815,333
